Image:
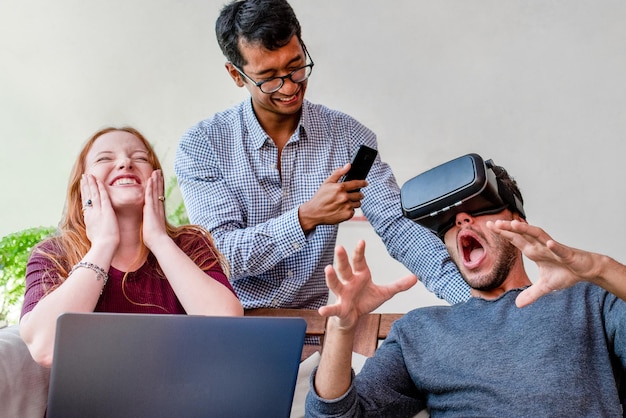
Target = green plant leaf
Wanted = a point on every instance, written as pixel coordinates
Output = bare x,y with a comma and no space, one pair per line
175,207
15,249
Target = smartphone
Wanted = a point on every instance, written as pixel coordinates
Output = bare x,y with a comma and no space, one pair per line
361,163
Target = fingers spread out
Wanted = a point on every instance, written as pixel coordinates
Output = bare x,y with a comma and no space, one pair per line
330,310
335,285
344,269
332,281
403,283
559,250
358,256
533,241
512,231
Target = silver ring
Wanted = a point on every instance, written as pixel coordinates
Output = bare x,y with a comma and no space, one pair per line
87,205
161,198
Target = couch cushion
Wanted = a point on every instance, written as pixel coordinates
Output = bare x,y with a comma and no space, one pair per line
23,383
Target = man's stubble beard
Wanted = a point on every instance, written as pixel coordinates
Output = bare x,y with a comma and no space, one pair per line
507,254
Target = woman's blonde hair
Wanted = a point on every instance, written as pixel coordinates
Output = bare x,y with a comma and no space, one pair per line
70,243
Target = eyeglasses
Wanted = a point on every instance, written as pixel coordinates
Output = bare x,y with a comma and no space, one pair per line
272,85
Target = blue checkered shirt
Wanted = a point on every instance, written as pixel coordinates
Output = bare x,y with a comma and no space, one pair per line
227,173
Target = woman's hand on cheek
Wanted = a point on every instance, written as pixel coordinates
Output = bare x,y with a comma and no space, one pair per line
154,210
100,219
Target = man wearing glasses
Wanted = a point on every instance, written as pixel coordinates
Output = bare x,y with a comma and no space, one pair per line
264,175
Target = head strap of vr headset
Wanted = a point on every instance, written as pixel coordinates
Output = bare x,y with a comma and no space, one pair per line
513,202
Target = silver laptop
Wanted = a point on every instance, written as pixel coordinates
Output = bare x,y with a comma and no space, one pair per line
135,365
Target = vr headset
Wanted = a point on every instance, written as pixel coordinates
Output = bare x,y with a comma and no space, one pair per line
465,184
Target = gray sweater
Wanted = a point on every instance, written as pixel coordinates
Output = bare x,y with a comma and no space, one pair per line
488,358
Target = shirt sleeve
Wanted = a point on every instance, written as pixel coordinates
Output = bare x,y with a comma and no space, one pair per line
343,407
614,312
40,274
417,248
383,388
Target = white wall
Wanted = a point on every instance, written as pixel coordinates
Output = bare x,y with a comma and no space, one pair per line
536,85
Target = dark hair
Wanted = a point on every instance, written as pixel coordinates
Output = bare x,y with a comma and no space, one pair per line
511,190
268,23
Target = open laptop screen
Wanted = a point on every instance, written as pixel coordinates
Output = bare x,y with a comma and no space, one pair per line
136,365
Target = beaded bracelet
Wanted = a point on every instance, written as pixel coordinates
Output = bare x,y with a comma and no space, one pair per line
100,273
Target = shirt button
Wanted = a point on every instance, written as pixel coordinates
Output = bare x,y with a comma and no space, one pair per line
290,273
296,246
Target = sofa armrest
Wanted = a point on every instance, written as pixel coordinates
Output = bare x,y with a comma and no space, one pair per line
23,382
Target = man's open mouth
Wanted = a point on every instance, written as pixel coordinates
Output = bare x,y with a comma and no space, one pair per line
472,250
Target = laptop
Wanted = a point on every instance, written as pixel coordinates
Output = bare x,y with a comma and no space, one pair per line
140,365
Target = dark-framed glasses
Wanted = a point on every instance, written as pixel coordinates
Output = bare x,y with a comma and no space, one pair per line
273,84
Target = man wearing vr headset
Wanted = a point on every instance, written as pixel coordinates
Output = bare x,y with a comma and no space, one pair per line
493,355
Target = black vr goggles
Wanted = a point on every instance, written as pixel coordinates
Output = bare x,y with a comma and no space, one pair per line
465,184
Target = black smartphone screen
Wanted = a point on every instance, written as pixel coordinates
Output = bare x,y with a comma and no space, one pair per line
361,163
